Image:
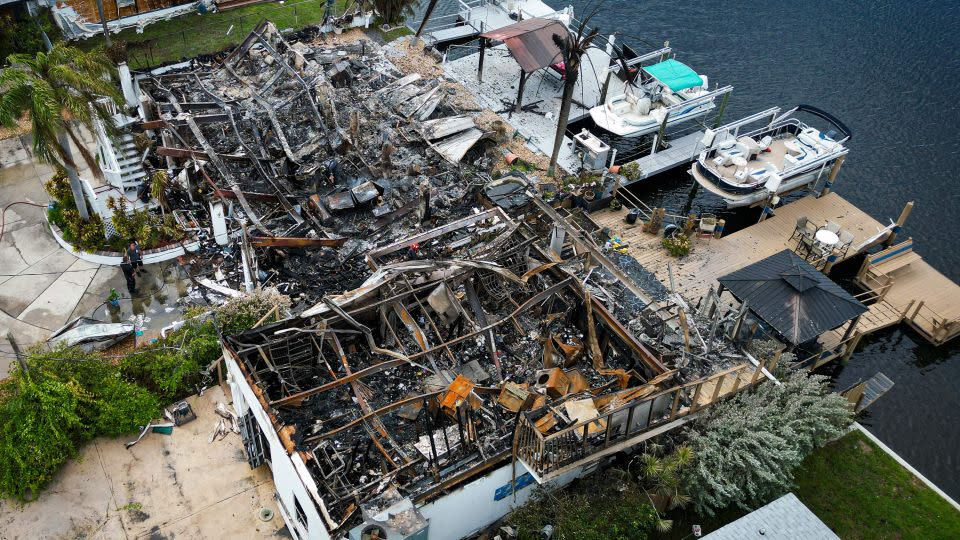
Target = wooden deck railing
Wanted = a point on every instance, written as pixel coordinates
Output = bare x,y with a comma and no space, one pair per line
546,454
829,352
926,320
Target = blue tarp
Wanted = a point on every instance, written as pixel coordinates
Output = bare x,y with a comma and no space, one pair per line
674,75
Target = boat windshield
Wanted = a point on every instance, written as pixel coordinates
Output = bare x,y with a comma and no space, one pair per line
674,75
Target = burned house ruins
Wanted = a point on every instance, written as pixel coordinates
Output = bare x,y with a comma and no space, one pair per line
455,338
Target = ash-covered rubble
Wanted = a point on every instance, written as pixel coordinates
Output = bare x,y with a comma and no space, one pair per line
420,374
296,158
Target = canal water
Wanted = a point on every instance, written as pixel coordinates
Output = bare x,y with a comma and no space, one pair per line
890,71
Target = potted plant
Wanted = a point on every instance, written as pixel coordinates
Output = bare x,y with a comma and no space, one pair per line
113,298
615,204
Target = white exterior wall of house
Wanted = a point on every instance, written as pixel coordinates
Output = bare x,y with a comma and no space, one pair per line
288,482
464,511
473,506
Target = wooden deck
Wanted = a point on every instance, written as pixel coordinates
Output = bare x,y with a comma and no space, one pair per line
923,297
712,258
917,293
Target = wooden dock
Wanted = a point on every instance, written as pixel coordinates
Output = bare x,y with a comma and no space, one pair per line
898,288
711,258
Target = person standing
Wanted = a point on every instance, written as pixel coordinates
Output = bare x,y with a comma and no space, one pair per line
127,268
136,256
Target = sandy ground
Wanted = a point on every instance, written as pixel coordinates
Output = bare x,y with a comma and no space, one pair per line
166,486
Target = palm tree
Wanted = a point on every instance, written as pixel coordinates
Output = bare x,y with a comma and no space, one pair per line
59,89
572,46
662,480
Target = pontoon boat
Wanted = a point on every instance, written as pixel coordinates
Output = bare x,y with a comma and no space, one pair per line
778,158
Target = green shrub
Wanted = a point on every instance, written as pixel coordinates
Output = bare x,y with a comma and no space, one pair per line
630,171
748,447
40,428
85,235
678,245
149,229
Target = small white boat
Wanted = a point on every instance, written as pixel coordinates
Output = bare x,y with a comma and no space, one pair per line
669,89
778,158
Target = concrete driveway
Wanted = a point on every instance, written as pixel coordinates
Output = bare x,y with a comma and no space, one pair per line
164,487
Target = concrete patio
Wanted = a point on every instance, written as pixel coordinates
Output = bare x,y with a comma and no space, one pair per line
42,286
166,486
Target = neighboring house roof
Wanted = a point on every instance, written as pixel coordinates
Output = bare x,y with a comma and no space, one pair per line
797,300
784,519
531,42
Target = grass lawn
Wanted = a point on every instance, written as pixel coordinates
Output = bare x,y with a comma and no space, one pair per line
860,492
190,35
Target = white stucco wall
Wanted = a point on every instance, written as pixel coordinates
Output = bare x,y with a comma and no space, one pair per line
287,482
473,506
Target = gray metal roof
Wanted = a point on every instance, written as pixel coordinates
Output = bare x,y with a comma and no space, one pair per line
797,300
784,519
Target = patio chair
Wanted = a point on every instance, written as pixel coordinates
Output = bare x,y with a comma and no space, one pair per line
803,228
832,226
846,239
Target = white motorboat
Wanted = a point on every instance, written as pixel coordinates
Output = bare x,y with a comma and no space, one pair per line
668,89
778,158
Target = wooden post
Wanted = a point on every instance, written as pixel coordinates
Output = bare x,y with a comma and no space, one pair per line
426,17
834,171
831,260
658,141
19,355
852,346
723,107
523,81
851,328
904,214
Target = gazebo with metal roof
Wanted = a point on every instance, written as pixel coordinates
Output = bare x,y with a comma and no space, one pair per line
794,298
531,43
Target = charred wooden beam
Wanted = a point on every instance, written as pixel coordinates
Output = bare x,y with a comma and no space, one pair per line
283,241
215,159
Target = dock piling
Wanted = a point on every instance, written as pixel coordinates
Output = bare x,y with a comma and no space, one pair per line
904,214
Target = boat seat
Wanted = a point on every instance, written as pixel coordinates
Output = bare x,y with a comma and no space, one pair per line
750,147
790,161
793,148
720,161
642,106
766,142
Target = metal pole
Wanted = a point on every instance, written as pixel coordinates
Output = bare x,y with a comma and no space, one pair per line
103,21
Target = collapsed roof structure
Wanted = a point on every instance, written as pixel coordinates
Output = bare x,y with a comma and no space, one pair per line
317,154
451,331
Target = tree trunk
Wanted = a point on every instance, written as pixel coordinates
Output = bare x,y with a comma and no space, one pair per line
78,197
572,71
